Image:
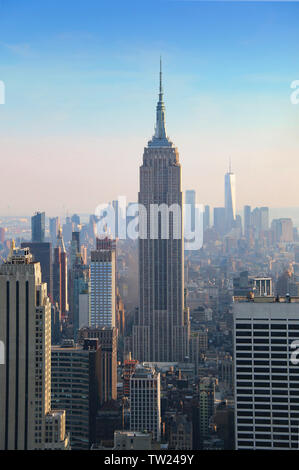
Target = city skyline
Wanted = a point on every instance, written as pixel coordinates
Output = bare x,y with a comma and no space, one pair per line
149,227
87,86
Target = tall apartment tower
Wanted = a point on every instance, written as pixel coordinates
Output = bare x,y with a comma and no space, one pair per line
162,332
103,284
26,418
230,199
145,401
38,227
266,377
60,274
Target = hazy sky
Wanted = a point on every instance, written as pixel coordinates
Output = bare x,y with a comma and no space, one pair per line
81,83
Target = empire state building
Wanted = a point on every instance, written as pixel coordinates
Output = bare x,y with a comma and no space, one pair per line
162,332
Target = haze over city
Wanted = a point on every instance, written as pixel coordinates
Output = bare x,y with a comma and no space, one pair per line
81,89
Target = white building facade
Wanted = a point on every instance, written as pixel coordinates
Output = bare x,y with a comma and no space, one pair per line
145,401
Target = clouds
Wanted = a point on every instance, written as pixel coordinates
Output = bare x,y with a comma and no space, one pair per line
23,50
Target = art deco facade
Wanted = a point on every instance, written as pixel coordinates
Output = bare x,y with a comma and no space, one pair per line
163,325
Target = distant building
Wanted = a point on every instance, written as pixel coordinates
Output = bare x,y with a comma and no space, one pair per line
190,200
38,227
230,199
60,275
53,229
283,230
247,221
67,230
260,286
219,220
206,218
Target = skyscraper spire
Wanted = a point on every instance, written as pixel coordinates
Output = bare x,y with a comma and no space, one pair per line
160,132
161,89
160,138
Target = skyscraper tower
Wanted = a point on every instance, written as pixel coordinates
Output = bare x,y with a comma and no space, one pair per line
103,284
230,198
26,418
38,227
162,332
60,275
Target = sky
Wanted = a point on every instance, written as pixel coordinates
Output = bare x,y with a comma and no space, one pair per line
81,86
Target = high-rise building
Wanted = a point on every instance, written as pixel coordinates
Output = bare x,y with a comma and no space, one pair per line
42,252
230,199
53,229
264,218
76,222
247,221
190,200
145,401
108,342
259,220
60,275
206,218
79,286
266,374
76,375
26,418
103,284
283,230
67,230
38,227
203,412
162,332
219,220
